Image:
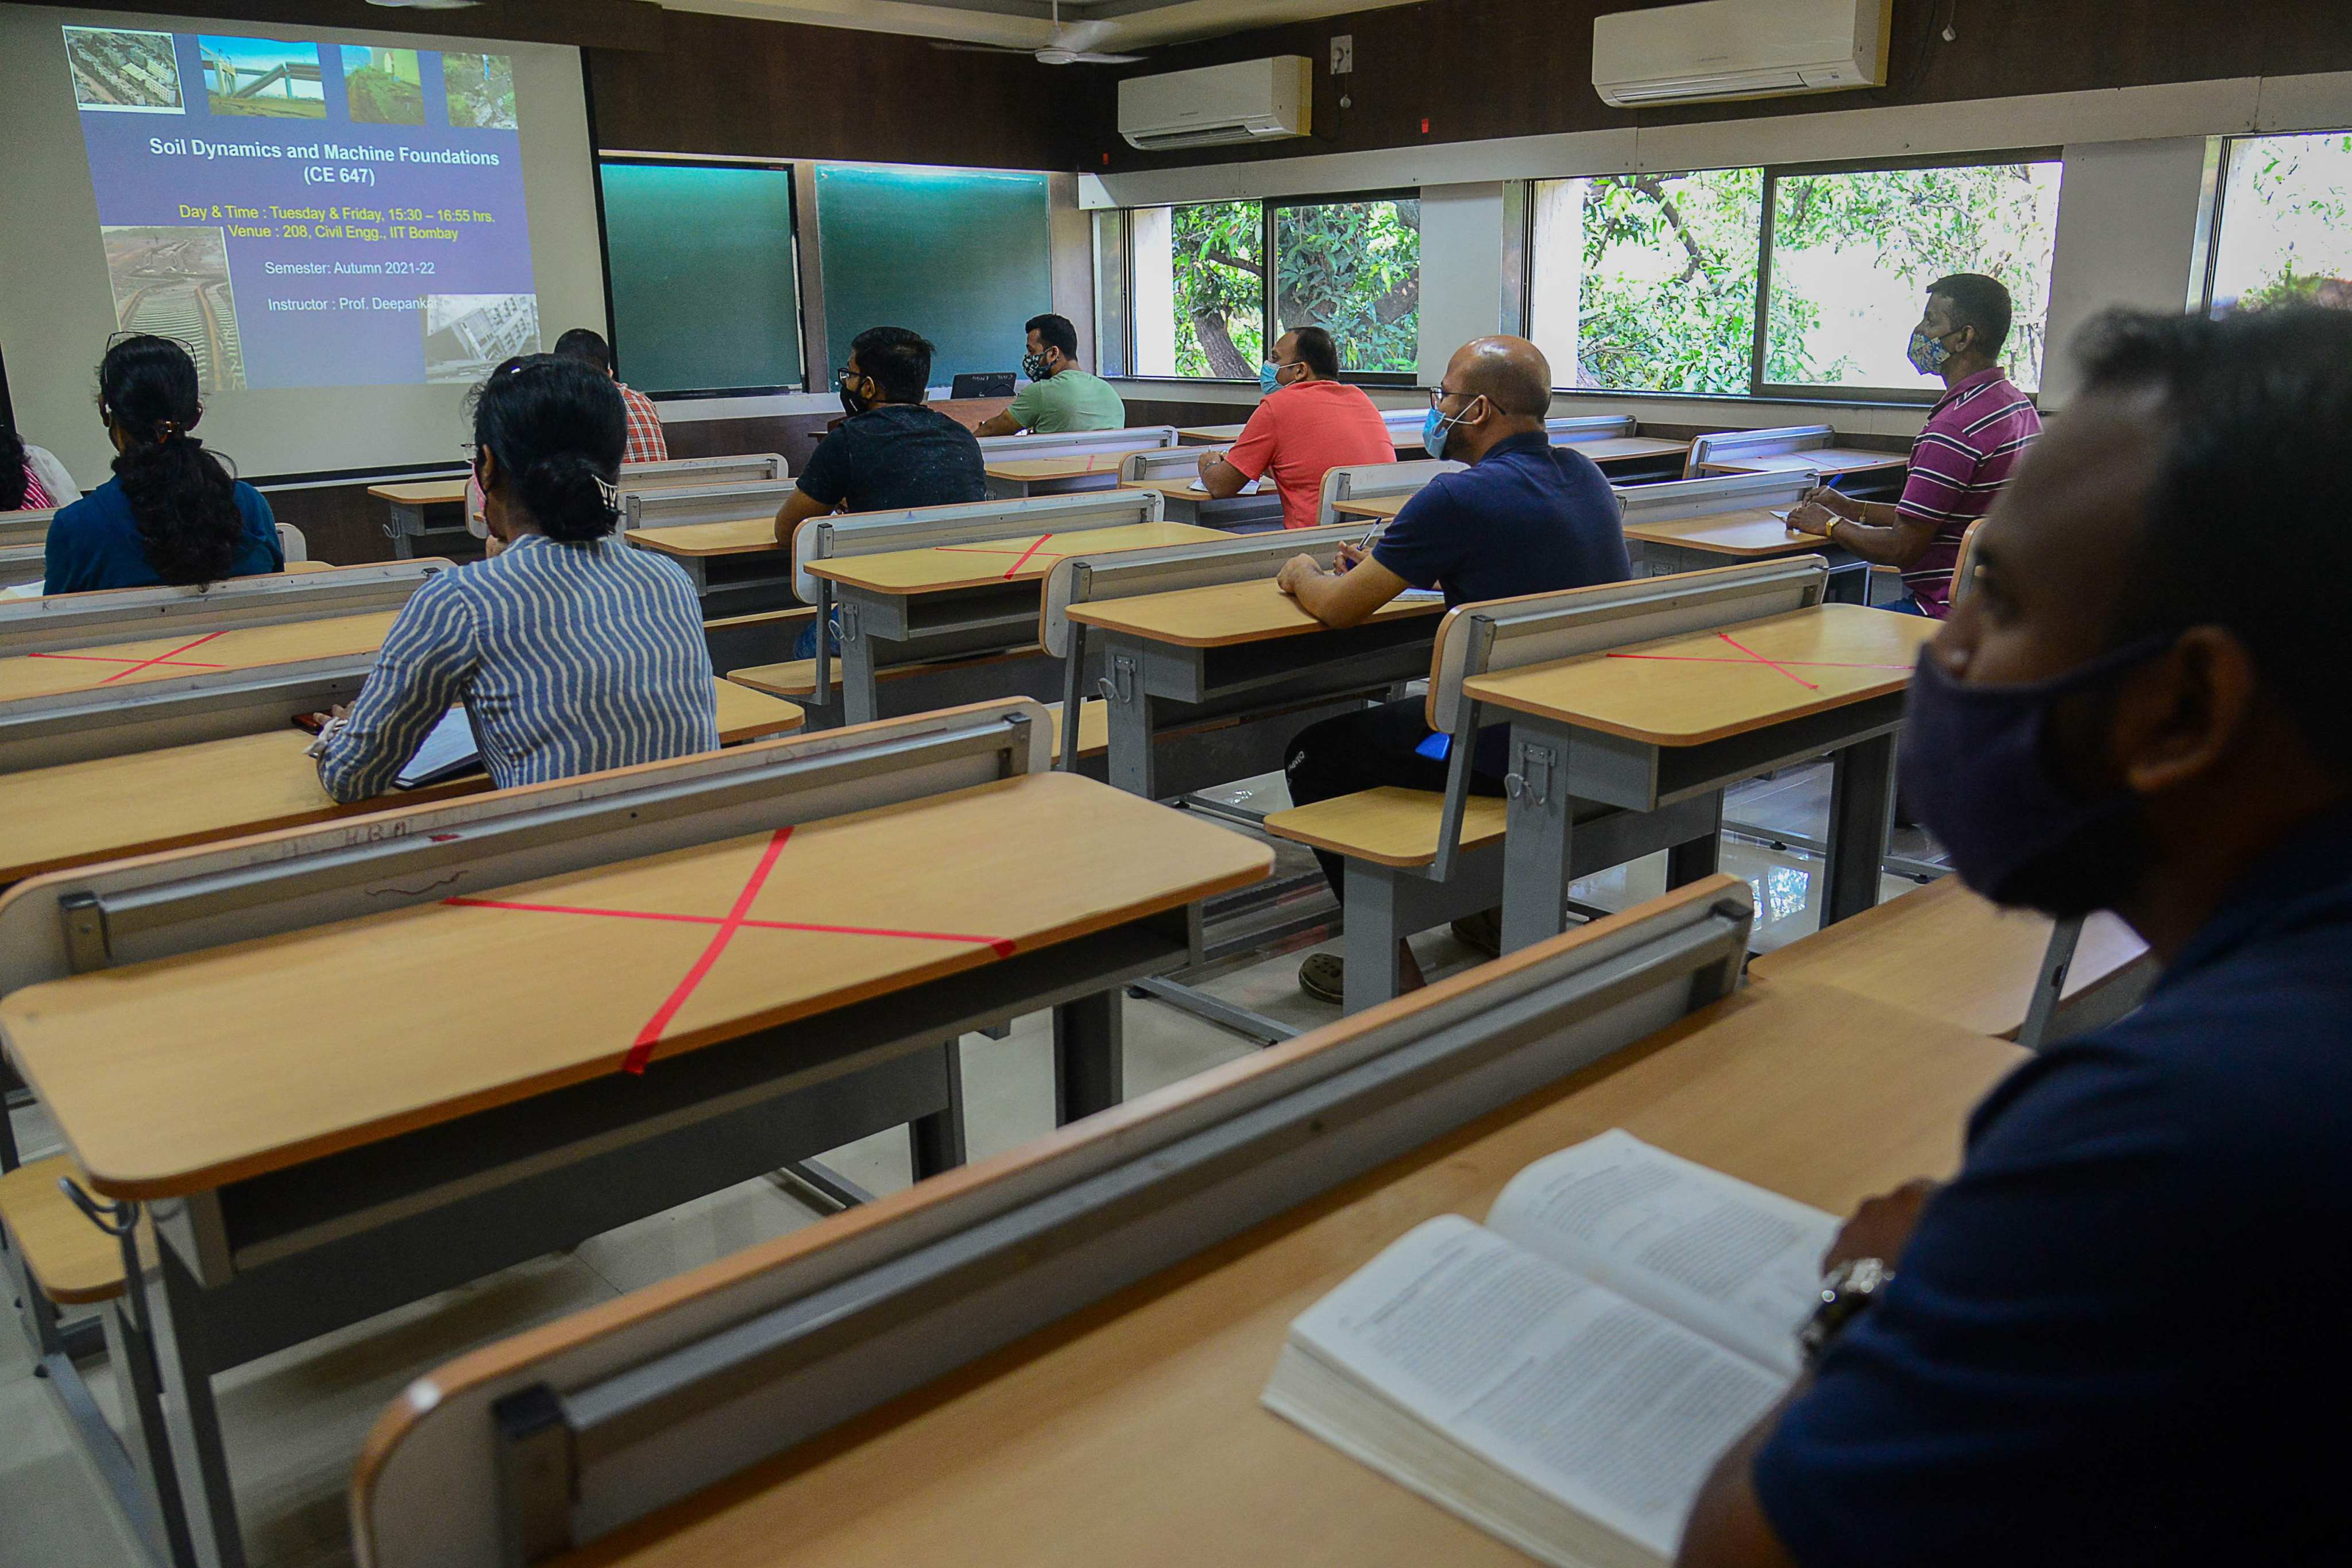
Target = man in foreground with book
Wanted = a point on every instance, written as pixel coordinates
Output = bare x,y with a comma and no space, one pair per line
2108,1338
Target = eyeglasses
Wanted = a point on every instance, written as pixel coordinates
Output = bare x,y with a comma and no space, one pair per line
1438,395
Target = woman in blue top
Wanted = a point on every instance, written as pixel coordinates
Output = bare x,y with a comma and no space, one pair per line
571,651
172,514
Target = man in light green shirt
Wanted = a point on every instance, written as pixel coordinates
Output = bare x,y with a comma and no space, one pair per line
1060,397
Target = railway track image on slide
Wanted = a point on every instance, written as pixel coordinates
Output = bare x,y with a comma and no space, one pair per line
174,283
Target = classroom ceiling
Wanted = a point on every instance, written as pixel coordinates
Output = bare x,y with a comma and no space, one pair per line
1027,23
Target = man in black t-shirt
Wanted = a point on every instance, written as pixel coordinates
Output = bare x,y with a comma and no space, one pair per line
891,451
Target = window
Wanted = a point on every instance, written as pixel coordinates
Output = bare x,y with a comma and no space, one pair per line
1647,282
1853,255
1200,290
2283,235
1354,268
1652,282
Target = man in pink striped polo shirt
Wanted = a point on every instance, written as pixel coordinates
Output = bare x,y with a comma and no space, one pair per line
1976,435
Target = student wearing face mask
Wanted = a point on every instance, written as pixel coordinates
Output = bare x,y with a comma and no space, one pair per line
1526,517
1976,433
892,451
1060,397
2088,1346
1308,422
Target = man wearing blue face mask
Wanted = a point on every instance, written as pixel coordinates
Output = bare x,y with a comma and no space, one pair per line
1975,436
1526,517
1309,423
2088,1346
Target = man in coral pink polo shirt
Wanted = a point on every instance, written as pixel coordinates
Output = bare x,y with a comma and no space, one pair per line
1310,423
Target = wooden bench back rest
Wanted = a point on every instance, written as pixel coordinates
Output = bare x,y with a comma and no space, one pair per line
65,621
1567,429
682,506
28,526
1076,443
1544,628
1358,481
968,522
1678,498
23,563
1964,570
1166,463
747,467
1730,445
158,906
427,1489
1128,573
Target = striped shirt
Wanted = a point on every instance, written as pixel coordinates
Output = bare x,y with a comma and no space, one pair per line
646,442
1975,436
570,659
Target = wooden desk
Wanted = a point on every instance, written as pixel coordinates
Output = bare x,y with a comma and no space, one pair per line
411,504
1200,656
1750,534
110,809
1620,451
700,540
914,606
1384,507
1644,726
1210,435
1830,462
1257,512
1132,1432
1947,953
1012,477
163,658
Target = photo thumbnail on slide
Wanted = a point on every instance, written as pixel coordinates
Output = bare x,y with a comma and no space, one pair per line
174,283
307,213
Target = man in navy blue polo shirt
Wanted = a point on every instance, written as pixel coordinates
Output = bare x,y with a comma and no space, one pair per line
1525,517
2118,1336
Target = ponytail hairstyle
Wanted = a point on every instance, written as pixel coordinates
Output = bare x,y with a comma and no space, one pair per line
12,468
558,429
182,502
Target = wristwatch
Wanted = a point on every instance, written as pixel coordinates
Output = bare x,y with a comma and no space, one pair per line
1847,1292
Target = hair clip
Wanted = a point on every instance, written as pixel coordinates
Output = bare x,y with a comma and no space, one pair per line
610,493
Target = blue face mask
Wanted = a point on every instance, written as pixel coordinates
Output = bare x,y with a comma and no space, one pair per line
1269,378
1438,428
1976,774
1928,353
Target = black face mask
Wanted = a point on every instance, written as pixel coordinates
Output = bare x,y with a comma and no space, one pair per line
850,402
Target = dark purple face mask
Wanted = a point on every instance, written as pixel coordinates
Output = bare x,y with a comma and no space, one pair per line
1976,775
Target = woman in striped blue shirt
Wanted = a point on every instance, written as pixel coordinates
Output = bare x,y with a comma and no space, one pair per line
571,651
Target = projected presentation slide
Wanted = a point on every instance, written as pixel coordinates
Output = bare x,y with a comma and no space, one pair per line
309,215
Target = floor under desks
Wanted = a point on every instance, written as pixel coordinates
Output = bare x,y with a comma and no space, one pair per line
295,1420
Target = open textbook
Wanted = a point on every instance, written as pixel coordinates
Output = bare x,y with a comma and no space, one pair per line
1566,1376
448,752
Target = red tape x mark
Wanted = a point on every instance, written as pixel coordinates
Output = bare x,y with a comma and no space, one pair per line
170,657
1011,571
735,920
1786,666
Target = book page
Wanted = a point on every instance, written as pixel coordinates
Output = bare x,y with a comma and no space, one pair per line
1741,1265
1589,1398
449,751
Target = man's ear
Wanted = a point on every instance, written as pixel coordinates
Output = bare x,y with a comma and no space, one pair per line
2181,718
486,468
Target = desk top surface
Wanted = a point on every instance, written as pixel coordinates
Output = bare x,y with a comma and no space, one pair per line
423,492
1384,506
163,658
1748,533
110,809
1139,1417
1628,448
1826,462
1224,613
179,1075
1945,952
1686,690
1022,558
1182,490
742,536
1076,465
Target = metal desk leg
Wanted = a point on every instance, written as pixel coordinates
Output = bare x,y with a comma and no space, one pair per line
1089,1068
1539,824
2050,985
1694,859
407,525
1862,814
859,701
1129,712
1370,936
184,1373
935,1143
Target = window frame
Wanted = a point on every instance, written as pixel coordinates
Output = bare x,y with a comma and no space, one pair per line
2215,208
1758,389
1267,206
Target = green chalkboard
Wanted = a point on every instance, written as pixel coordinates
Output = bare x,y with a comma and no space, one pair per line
962,256
705,296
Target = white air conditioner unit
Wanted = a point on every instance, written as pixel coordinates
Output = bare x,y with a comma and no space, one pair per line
1738,49
1260,101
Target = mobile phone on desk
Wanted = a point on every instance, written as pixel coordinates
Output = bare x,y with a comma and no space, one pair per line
308,723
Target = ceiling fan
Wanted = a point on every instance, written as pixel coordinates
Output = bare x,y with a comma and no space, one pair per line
1070,46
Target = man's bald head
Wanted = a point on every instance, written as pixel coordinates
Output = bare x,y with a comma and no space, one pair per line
1509,373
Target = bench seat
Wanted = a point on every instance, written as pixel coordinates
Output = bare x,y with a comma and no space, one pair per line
1094,727
71,1260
